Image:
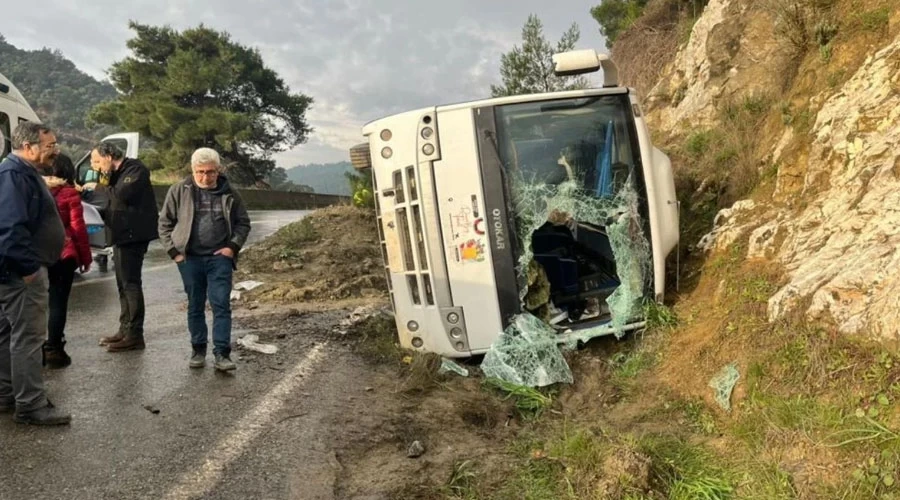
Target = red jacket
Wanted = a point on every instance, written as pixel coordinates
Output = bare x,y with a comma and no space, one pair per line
68,202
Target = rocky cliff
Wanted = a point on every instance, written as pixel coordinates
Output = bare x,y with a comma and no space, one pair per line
830,141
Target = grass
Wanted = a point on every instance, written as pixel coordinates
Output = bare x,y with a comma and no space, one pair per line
867,429
530,402
686,471
462,481
718,166
376,339
659,316
559,462
627,366
874,20
765,481
422,373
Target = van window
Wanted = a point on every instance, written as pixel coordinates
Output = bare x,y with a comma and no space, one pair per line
83,171
5,135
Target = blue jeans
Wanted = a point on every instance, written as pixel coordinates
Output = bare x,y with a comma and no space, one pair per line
208,276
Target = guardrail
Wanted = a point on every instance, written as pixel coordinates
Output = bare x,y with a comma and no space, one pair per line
265,199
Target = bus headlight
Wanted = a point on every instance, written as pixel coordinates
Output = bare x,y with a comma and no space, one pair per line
428,149
387,153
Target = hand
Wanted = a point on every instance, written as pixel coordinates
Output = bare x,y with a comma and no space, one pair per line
90,186
227,252
30,278
179,259
85,268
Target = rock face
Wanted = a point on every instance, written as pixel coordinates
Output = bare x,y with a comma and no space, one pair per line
842,250
839,245
730,54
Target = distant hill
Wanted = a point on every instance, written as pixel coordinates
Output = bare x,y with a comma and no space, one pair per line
60,93
325,178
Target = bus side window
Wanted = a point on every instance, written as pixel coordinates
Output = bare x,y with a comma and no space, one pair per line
5,135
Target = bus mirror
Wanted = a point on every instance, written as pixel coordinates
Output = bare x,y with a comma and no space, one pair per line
360,156
577,62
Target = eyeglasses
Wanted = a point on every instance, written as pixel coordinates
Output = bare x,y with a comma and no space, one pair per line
48,147
206,173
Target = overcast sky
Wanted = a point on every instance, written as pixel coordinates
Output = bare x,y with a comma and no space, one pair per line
359,59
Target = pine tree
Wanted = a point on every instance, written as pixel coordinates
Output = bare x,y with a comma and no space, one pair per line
529,69
184,90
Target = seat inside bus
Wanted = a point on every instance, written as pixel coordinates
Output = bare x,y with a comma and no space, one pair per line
576,256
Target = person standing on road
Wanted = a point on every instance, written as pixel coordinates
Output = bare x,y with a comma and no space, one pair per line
203,226
31,239
132,219
76,254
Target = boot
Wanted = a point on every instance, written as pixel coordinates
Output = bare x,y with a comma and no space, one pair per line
112,339
48,415
126,344
198,358
55,357
224,363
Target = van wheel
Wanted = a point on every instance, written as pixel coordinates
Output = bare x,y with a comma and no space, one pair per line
102,263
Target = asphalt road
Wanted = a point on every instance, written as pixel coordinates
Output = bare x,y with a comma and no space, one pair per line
144,425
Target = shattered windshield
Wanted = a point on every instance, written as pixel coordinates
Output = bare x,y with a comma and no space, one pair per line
577,198
583,261
585,140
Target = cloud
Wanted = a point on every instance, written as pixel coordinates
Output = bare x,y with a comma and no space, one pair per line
359,59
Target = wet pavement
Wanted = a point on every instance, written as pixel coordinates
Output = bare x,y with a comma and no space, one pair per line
144,425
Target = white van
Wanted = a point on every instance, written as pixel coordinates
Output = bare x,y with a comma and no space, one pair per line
14,109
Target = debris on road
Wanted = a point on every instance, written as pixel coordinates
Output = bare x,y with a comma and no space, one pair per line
358,315
243,285
448,366
251,342
415,450
527,354
723,385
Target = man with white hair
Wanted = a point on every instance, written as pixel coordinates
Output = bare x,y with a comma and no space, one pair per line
202,226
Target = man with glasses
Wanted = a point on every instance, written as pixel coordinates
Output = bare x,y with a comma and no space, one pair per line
31,239
131,216
203,226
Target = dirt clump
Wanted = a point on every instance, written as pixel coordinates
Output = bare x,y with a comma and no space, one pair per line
624,470
331,254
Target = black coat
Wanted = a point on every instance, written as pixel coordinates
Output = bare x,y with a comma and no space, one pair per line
132,214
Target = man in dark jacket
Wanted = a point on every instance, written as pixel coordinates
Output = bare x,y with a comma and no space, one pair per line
31,238
203,226
131,216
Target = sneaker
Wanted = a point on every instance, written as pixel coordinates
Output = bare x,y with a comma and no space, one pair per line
224,363
112,339
48,415
126,344
198,359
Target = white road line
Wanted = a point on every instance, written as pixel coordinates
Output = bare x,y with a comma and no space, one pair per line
198,482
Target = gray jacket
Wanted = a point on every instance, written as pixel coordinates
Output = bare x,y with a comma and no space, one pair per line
177,216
